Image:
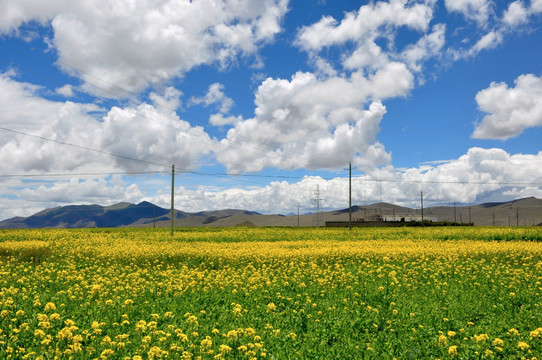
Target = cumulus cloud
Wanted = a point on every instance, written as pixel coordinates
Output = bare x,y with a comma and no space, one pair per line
475,177
140,132
66,90
510,110
358,25
478,176
476,10
515,14
307,122
90,191
428,46
215,95
147,42
325,118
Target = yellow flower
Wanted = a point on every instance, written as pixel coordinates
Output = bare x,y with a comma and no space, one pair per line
481,337
513,332
452,350
271,307
498,342
224,348
523,345
50,306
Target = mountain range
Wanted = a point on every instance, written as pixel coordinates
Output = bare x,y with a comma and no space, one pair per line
522,212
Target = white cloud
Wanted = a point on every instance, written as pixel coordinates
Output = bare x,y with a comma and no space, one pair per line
536,6
89,191
13,13
510,110
477,10
516,14
169,100
66,90
358,25
134,44
215,95
139,132
428,46
312,123
478,176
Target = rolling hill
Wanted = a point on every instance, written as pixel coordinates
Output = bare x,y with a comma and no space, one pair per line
522,212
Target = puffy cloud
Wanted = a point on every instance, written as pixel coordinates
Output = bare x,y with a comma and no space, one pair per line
148,42
480,175
14,13
169,100
515,14
66,90
477,10
89,191
358,25
312,123
140,132
215,95
536,6
428,46
511,110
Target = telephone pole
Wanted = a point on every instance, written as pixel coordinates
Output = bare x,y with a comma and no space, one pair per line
172,194
350,195
421,198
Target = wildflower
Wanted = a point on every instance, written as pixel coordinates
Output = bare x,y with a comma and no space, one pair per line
481,337
50,306
488,353
498,342
207,342
452,350
523,345
451,333
271,307
237,310
224,348
513,332
442,340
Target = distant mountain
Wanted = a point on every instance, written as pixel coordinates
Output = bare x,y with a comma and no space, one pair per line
80,216
521,212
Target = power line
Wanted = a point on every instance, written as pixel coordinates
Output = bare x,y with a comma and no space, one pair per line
130,96
82,147
81,174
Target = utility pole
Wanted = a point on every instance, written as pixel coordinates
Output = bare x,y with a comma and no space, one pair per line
172,194
350,195
318,201
421,198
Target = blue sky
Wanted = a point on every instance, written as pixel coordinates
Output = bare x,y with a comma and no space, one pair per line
259,102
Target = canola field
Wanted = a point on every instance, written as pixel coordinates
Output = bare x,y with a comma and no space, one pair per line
271,293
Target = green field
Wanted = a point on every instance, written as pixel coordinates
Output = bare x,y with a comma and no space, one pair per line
271,293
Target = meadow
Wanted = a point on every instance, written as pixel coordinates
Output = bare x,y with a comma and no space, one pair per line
271,293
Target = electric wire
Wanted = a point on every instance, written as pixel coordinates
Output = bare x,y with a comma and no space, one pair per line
130,96
249,143
82,147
